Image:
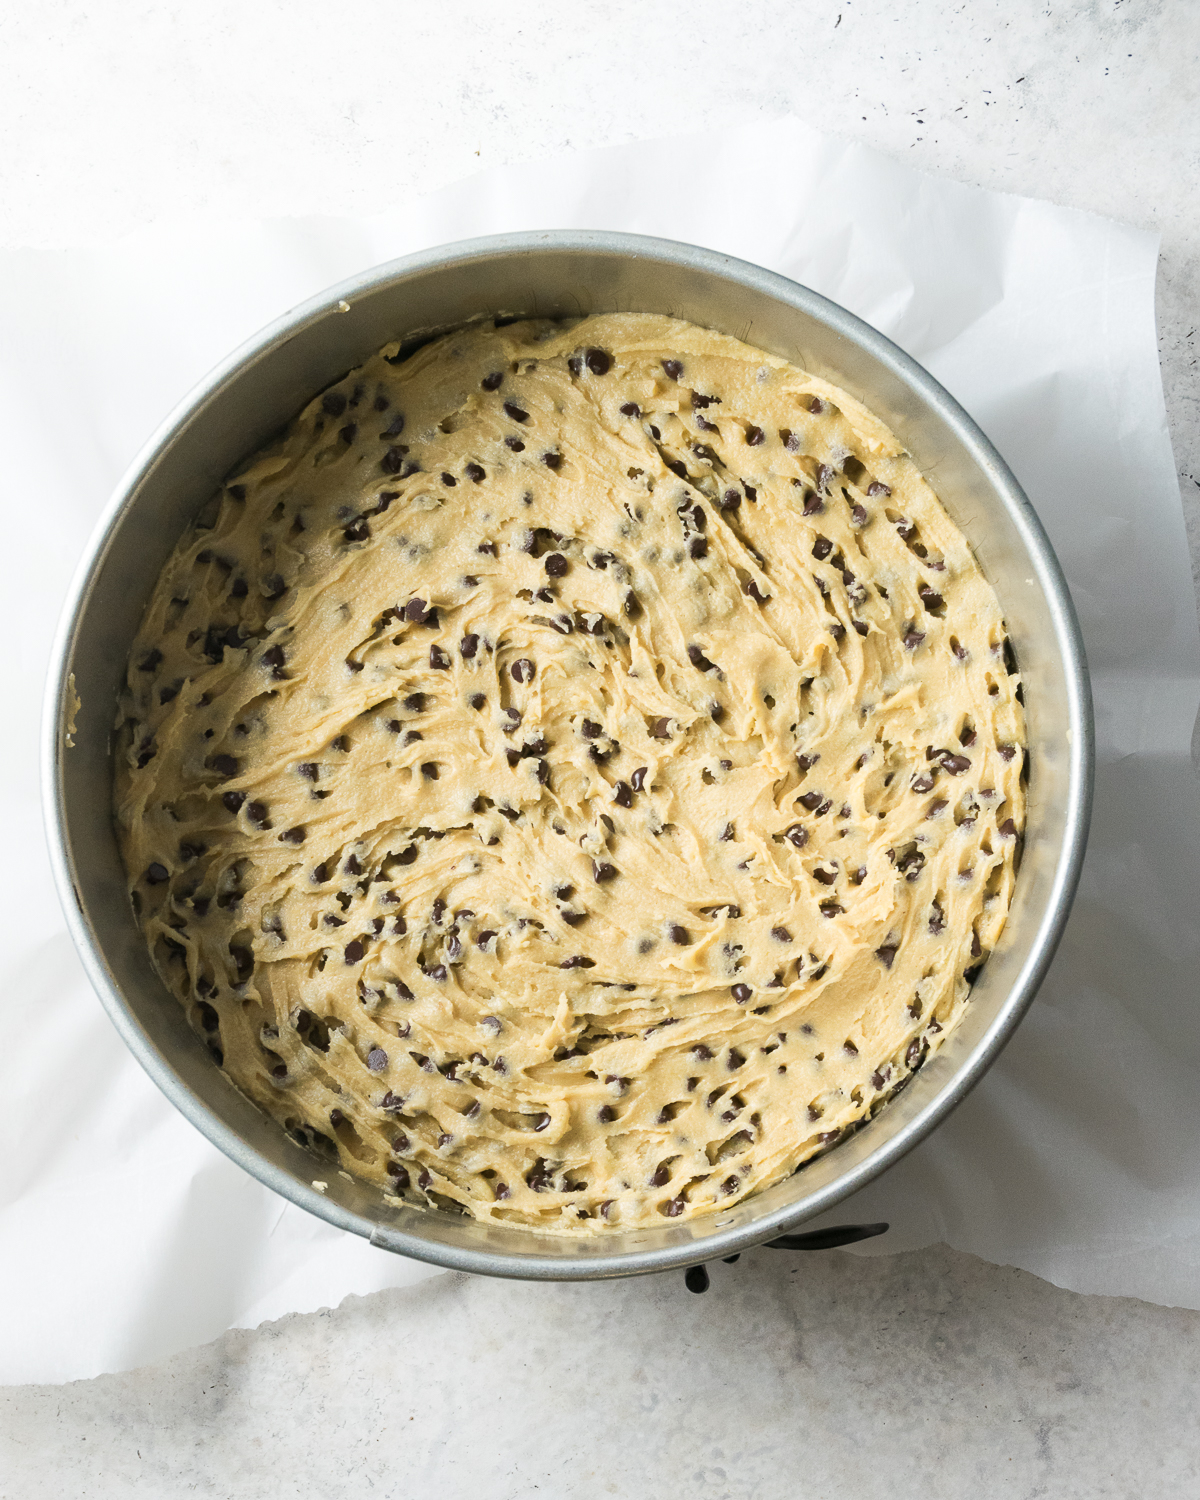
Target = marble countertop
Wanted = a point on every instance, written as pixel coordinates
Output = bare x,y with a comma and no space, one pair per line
800,1376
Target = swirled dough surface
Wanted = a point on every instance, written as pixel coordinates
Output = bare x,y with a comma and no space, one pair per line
575,771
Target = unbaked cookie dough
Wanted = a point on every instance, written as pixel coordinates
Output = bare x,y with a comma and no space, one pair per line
574,774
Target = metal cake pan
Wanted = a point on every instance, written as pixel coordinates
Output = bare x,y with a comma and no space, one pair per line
553,274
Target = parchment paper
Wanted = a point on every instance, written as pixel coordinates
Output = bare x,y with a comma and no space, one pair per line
124,1236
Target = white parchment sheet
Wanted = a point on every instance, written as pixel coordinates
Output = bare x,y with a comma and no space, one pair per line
124,1236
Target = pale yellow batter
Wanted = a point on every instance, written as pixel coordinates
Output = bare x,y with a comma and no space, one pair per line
575,771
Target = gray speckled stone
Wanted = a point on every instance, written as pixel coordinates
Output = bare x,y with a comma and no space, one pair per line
805,1376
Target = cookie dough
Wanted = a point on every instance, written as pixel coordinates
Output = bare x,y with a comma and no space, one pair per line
574,774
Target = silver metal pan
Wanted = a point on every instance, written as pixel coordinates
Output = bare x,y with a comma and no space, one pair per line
257,390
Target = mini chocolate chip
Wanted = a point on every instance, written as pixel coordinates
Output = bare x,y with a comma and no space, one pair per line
602,871
877,488
377,1059
661,729
598,361
515,444
781,934
439,661
622,795
1007,829
754,436
579,961
631,409
552,460
522,670
698,548
354,951
156,874
292,836
606,1114
449,481
886,954
955,764
493,381
556,565
511,409
392,460
469,646
478,700
816,406
226,765
751,588
912,639
333,403
741,993
679,935
730,500
233,800
475,473
699,660
929,598
638,779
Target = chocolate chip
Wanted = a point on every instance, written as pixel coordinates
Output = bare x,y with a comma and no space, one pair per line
579,961
156,874
354,951
449,481
673,368
877,488
751,588
822,547
661,729
781,934
233,800
292,836
511,409
741,993
698,548
931,600
598,361
552,460
515,444
730,500
699,660
493,381
955,764
226,765
257,813
912,639
590,729
392,460
754,436
622,795
439,660
416,610
638,779
333,403
602,871
469,646
522,670
631,409
475,473
816,406
556,565
1007,829
1006,752
377,1059
939,804
885,955
679,935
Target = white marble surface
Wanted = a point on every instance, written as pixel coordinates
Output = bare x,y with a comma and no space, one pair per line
822,1376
